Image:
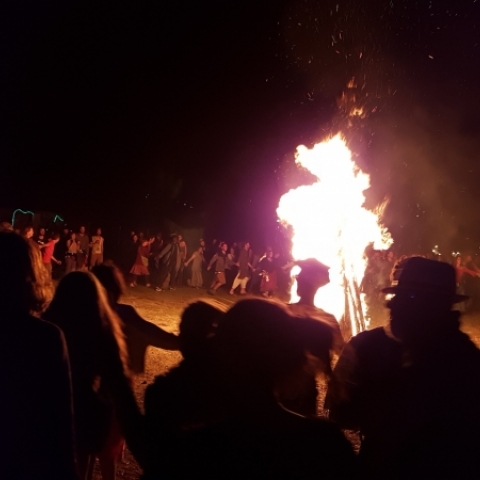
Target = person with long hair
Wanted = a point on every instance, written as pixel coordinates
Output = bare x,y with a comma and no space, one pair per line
36,417
139,333
99,359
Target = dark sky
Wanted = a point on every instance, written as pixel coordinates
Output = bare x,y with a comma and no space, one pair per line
126,112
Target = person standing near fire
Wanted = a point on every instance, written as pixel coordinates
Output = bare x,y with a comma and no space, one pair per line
83,249
221,260
244,269
96,245
411,387
182,258
313,276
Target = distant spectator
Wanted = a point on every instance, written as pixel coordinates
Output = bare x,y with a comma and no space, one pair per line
71,254
182,258
220,261
140,266
167,265
244,269
197,261
83,249
96,245
41,238
47,249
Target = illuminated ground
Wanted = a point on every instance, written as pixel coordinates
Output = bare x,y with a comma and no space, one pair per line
164,310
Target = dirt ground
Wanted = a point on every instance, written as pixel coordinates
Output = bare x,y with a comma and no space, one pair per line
164,309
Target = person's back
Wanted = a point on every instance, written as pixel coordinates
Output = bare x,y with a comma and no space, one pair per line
185,397
36,418
278,444
257,348
35,408
414,398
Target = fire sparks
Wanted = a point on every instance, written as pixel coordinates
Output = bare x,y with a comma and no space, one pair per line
330,224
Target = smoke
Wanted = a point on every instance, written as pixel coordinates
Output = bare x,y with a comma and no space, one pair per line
403,93
425,163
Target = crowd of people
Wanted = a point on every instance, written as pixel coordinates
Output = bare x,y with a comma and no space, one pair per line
243,402
165,264
380,265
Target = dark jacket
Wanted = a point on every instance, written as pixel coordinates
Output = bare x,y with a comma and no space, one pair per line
36,419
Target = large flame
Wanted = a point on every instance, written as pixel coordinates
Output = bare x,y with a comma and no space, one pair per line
331,224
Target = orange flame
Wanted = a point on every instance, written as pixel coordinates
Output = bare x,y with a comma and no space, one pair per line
330,224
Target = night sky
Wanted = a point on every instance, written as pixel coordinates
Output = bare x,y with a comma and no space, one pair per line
124,113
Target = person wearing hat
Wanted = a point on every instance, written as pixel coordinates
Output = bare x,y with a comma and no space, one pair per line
412,388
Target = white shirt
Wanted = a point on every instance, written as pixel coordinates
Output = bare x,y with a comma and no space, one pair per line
97,247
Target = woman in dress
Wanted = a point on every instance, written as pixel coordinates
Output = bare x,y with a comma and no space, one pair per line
140,266
197,260
71,255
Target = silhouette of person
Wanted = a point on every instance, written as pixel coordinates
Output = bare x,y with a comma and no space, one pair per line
258,347
412,388
180,399
313,276
139,333
36,418
245,433
99,360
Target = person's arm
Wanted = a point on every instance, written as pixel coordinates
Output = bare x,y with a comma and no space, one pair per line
44,245
470,272
212,261
58,262
154,335
191,259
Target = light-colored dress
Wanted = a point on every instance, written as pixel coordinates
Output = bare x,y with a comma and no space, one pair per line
196,279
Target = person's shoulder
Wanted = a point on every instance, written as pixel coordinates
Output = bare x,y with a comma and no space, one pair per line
37,326
35,335
368,337
127,313
124,308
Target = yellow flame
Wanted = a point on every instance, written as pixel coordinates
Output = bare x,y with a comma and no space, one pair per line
330,224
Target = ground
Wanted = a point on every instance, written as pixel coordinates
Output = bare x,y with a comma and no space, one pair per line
164,309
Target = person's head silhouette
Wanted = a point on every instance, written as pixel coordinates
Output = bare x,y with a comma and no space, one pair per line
424,292
313,275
